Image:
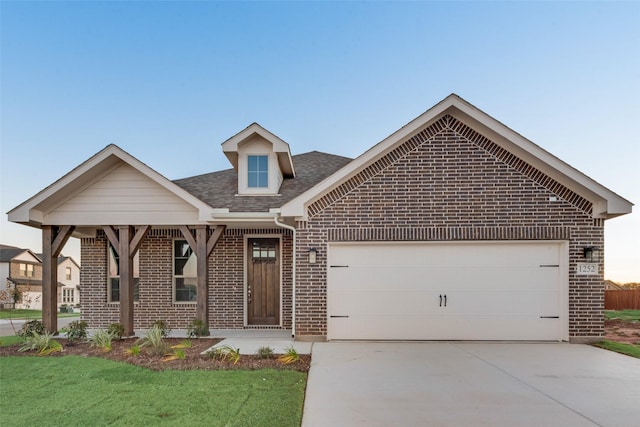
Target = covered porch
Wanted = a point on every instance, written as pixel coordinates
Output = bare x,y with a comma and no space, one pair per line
129,218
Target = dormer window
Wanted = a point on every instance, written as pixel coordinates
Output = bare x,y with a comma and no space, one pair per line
258,171
261,159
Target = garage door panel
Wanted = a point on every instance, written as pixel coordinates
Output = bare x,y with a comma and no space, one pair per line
446,328
507,291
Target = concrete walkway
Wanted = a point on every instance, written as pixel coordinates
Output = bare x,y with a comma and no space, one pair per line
473,384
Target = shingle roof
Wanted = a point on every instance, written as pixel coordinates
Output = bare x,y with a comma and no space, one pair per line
219,189
8,252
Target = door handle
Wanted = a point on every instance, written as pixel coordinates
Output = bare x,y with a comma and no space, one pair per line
445,300
440,300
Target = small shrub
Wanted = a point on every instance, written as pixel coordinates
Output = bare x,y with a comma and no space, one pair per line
225,353
134,350
30,328
165,330
197,328
177,354
43,343
290,356
101,339
75,331
154,340
265,353
116,330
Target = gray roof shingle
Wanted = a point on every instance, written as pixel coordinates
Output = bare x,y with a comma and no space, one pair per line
219,189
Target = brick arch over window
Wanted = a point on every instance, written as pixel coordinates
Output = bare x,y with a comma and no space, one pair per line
449,123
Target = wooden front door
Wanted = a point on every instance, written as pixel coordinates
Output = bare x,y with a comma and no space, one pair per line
263,281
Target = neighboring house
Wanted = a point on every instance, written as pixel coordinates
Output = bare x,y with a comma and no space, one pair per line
22,269
610,285
454,227
68,280
69,277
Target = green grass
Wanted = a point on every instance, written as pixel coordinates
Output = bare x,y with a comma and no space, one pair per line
627,315
30,314
6,341
628,349
80,391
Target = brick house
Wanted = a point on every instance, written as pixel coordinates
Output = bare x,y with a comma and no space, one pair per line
21,269
453,227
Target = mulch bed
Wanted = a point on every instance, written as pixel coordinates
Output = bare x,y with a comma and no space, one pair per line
615,330
193,359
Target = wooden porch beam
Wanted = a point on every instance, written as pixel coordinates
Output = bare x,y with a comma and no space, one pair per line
202,246
53,241
112,235
186,233
126,241
126,278
213,240
202,259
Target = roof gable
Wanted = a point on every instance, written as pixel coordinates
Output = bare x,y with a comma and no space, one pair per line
606,204
75,197
9,254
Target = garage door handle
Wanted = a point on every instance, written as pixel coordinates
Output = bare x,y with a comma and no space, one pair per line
445,300
339,317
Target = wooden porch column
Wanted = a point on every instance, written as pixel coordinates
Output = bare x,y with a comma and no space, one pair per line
126,243
203,249
53,240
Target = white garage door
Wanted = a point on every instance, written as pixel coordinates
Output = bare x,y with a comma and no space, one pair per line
447,291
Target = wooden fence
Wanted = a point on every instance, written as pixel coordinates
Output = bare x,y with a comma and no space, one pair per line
622,300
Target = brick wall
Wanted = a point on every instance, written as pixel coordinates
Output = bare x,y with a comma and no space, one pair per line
450,183
226,281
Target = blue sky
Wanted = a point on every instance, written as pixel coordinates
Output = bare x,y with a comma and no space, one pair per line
169,81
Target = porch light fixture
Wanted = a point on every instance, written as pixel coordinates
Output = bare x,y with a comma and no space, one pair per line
591,254
312,255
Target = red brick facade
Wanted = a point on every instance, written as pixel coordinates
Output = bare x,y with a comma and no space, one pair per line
226,281
449,183
446,183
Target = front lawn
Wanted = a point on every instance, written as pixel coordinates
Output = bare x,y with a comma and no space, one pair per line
10,340
626,315
75,390
632,350
20,313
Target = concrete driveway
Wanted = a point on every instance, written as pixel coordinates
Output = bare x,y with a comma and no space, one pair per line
470,384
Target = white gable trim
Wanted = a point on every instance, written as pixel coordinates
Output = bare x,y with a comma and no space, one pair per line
607,204
31,212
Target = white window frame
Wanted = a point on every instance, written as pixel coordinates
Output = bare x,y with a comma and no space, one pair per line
68,273
258,172
68,295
